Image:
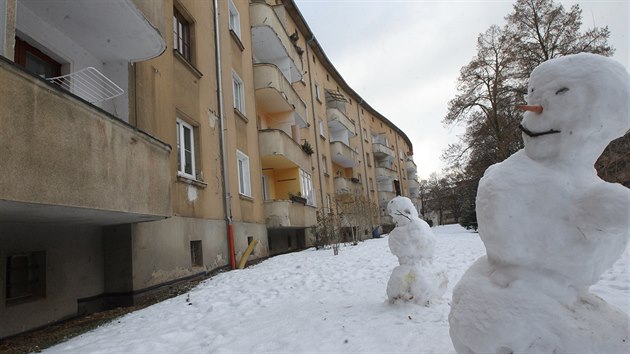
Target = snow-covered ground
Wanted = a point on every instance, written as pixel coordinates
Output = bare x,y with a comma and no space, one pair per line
309,302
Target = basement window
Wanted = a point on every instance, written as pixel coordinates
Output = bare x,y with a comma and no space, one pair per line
25,277
196,253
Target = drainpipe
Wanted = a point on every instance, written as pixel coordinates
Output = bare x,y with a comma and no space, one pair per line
400,169
226,185
315,127
367,179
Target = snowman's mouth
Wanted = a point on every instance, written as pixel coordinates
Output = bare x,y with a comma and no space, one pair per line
532,134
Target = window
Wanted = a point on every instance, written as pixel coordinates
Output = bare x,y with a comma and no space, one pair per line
306,184
265,184
181,35
244,185
328,202
367,159
35,61
365,134
235,19
25,277
322,130
196,254
185,149
325,163
238,92
317,93
371,184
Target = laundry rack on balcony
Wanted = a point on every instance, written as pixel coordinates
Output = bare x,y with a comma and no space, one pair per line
89,84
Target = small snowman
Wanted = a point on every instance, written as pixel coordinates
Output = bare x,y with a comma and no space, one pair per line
551,227
412,241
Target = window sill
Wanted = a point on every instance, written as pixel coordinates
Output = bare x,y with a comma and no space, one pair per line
237,40
240,114
22,300
245,197
323,137
326,174
188,64
194,182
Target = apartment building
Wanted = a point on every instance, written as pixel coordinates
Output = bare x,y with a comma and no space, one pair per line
147,142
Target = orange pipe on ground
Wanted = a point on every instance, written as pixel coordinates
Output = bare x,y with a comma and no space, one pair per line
231,246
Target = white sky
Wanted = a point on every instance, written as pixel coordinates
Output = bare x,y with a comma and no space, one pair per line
403,56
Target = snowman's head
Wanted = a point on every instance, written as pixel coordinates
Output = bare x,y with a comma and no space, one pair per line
402,210
577,105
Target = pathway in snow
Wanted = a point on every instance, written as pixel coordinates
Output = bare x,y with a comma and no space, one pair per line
310,301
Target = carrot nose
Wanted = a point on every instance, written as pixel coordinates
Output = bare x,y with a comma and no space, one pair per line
536,109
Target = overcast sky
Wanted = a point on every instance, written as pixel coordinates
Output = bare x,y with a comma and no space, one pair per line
403,56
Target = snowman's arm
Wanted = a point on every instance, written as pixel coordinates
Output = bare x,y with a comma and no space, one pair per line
604,211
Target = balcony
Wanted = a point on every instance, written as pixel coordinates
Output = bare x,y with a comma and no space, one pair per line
414,188
64,160
275,95
345,185
385,174
384,197
337,121
117,34
279,151
285,213
342,154
381,151
271,43
411,166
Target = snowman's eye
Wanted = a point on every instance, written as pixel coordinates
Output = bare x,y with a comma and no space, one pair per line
562,90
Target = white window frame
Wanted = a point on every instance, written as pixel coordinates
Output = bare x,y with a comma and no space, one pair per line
306,187
181,166
317,93
244,181
234,21
238,91
322,130
265,185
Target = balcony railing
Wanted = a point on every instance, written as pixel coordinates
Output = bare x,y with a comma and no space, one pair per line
411,166
271,43
285,213
381,151
384,197
274,94
345,185
278,150
337,120
385,174
342,154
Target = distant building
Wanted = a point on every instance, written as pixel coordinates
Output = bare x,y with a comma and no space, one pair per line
144,143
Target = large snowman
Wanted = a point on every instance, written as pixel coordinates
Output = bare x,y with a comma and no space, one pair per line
415,279
551,227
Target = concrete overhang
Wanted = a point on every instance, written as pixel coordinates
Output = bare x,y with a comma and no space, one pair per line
18,212
110,29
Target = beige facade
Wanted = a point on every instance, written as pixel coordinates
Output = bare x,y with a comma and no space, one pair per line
232,126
